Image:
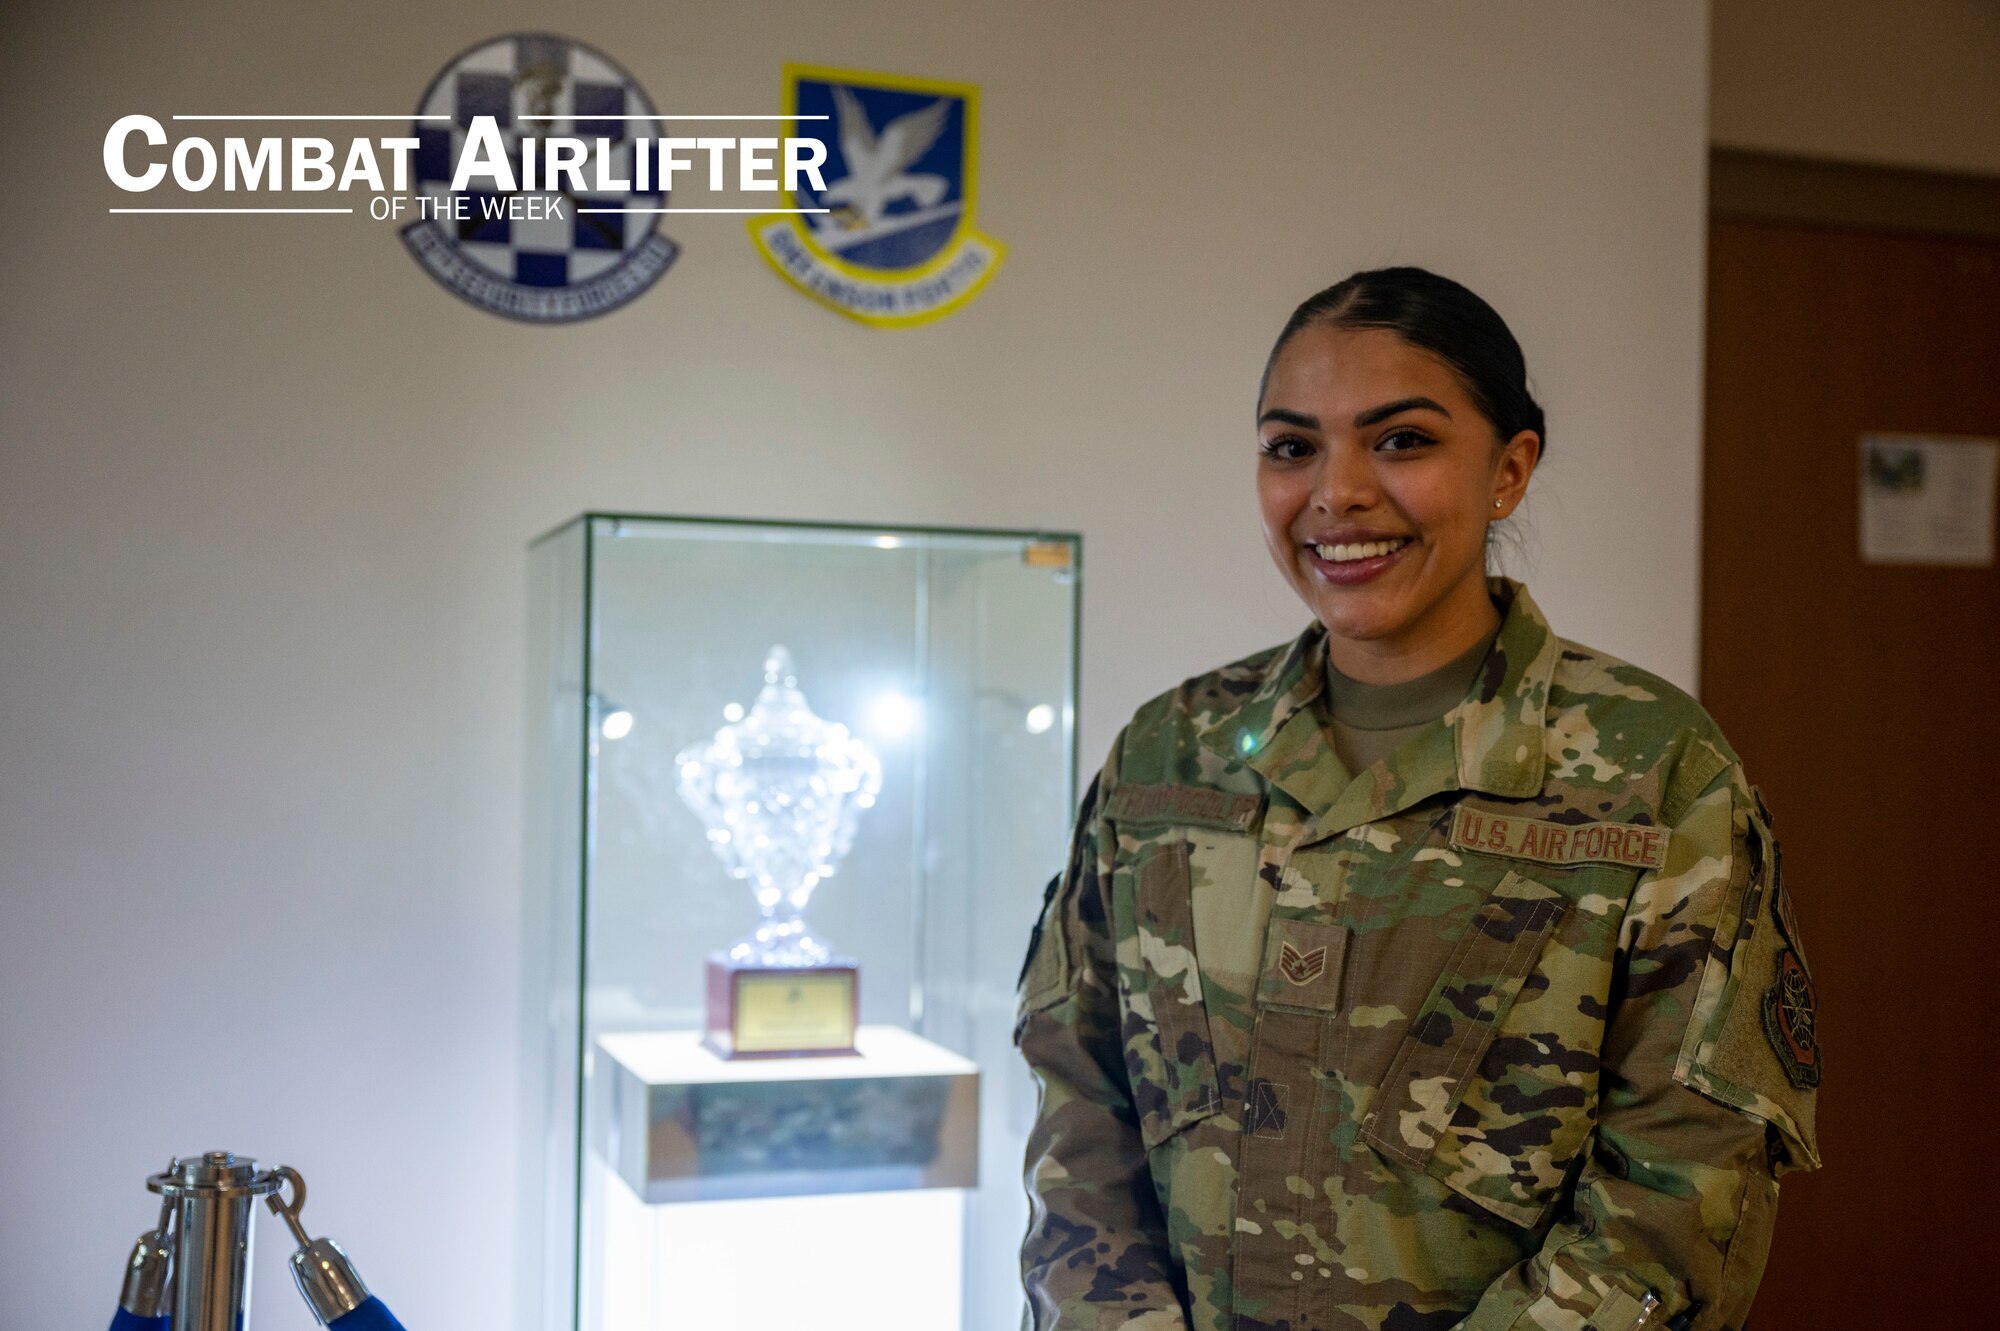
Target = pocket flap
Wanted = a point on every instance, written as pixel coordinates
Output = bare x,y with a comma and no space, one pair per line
1173,1075
1427,1077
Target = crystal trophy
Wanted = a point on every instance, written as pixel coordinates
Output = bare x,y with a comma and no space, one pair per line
780,792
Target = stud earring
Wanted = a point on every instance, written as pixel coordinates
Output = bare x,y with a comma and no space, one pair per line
1496,503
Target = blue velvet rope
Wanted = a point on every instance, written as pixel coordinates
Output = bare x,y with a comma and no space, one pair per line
370,1316
124,1321
373,1315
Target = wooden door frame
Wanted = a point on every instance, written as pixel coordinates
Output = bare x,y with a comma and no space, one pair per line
1778,188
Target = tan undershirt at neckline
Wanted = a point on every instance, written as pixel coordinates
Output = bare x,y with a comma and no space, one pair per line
1368,722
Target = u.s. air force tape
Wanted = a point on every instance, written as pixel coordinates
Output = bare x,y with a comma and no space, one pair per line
1559,843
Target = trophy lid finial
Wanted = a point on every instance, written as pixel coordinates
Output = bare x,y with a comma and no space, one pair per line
778,667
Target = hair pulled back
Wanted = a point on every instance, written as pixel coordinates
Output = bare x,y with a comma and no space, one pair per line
1437,315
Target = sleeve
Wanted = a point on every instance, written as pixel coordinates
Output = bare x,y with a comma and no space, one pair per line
1096,1253
1706,1092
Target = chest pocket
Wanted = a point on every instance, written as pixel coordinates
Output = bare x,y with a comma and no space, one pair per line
1168,1055
1500,1130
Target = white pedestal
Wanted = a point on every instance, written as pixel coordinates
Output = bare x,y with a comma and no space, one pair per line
866,1261
679,1124
780,1194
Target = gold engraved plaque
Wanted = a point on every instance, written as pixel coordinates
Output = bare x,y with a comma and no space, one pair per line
766,1012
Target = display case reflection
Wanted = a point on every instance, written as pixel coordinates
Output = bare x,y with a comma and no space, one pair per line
910,760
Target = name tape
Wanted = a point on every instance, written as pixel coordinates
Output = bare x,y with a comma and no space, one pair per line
1559,843
1184,804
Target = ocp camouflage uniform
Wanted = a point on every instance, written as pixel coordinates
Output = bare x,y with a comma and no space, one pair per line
1513,1030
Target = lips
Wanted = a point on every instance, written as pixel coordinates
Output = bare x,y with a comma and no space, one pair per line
1347,563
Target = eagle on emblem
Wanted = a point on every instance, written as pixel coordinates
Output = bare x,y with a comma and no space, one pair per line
878,164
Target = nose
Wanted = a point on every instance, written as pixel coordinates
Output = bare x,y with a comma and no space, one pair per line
1346,483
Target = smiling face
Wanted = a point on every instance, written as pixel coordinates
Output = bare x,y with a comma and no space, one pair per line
1377,476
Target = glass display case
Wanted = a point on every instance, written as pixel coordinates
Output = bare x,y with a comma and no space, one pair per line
734,1113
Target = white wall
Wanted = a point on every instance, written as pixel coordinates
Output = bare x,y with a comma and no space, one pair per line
265,491
1914,84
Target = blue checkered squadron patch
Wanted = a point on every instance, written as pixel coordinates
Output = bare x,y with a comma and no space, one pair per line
534,255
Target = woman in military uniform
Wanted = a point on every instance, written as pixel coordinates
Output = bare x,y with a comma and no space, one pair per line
1429,970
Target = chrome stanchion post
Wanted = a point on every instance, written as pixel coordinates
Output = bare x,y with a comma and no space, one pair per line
196,1262
211,1198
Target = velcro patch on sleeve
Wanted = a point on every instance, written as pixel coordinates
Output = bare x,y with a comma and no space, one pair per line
1641,847
1191,805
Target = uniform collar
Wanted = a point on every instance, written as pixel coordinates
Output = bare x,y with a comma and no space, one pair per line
1490,742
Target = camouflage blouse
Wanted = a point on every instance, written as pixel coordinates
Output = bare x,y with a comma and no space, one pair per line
1512,1030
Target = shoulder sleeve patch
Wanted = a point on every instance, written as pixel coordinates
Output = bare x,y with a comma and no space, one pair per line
1051,971
1791,1008
1755,1045
1055,944
1190,805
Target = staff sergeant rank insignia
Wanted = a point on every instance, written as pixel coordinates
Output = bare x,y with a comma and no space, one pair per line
894,244
1301,967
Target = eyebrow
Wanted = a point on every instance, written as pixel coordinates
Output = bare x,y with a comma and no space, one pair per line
1362,420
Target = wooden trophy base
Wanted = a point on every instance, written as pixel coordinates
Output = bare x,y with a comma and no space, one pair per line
781,1012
